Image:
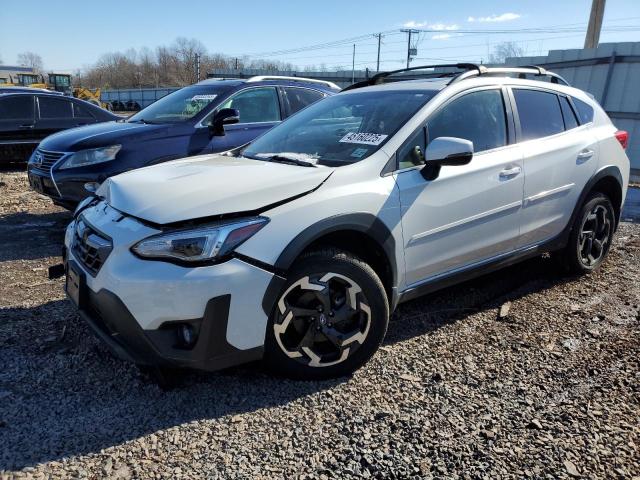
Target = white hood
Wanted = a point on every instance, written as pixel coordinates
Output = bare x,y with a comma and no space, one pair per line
205,186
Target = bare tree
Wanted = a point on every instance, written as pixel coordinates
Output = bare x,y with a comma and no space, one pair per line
32,60
505,50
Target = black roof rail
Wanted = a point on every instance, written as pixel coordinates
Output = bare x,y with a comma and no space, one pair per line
378,78
523,71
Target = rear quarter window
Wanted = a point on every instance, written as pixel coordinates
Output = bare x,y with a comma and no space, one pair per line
585,111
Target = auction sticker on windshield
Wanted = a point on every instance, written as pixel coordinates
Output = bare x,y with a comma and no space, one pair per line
364,138
203,97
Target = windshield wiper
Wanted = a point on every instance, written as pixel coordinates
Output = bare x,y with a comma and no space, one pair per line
290,160
142,120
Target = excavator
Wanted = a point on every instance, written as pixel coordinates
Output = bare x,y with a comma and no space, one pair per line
61,82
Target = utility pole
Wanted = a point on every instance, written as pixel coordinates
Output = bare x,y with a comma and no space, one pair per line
378,62
409,49
197,67
236,63
595,24
353,65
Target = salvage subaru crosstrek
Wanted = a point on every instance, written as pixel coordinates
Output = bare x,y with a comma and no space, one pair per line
298,247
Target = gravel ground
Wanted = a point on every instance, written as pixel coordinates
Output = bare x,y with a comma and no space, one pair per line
551,389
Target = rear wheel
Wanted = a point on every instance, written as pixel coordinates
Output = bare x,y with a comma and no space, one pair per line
330,318
591,235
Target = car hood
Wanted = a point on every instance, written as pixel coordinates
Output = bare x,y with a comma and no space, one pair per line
101,135
207,186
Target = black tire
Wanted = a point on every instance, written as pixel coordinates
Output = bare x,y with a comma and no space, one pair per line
597,216
324,280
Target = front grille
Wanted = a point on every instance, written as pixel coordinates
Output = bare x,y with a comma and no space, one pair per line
44,160
90,246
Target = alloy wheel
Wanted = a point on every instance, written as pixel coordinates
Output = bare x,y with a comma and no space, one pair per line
594,235
322,319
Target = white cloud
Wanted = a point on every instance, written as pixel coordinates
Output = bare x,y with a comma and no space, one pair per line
441,36
505,17
428,26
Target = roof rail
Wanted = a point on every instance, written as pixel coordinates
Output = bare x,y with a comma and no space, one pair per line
378,78
260,78
522,71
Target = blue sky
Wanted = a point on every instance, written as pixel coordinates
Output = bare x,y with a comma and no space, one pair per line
73,34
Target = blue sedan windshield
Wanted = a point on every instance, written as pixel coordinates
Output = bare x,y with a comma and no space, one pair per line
180,105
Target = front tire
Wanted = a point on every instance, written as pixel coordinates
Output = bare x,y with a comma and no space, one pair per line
591,235
330,318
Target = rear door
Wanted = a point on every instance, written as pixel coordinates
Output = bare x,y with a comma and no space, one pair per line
259,109
54,114
470,213
559,158
17,122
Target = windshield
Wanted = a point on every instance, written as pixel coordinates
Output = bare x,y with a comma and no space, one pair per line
180,105
340,130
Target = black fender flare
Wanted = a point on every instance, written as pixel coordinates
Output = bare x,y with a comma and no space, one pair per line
609,171
361,222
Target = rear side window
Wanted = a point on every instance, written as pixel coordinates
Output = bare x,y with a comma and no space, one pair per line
14,108
539,112
299,98
80,111
585,111
54,108
477,116
570,120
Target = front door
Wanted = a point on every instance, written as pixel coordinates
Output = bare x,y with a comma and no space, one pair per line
470,213
259,109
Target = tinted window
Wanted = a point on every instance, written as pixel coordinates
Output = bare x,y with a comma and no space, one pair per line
80,111
255,105
585,111
301,97
412,153
342,129
19,107
570,120
54,108
477,116
539,113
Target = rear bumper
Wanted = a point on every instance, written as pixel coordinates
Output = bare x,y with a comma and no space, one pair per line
114,324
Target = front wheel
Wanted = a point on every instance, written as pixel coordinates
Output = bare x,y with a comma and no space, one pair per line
330,318
591,235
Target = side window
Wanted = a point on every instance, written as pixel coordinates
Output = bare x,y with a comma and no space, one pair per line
255,105
585,111
570,120
539,113
477,116
54,108
80,111
299,98
411,153
16,108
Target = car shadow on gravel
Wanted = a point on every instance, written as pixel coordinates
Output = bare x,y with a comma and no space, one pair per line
62,393
28,236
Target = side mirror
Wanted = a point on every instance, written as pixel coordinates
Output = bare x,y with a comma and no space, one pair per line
226,116
451,151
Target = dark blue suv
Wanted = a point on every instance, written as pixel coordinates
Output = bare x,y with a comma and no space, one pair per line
208,117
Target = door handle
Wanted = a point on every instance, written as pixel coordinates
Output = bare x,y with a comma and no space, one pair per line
585,155
28,125
510,172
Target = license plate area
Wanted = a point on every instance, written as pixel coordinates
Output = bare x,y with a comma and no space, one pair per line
36,183
75,284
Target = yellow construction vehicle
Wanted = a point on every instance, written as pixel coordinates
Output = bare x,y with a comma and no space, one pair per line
61,82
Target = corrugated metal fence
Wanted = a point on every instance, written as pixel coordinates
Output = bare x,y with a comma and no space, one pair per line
611,73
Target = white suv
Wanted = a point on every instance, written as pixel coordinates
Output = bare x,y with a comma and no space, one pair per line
297,247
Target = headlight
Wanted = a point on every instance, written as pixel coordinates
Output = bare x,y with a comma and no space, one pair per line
202,243
91,157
